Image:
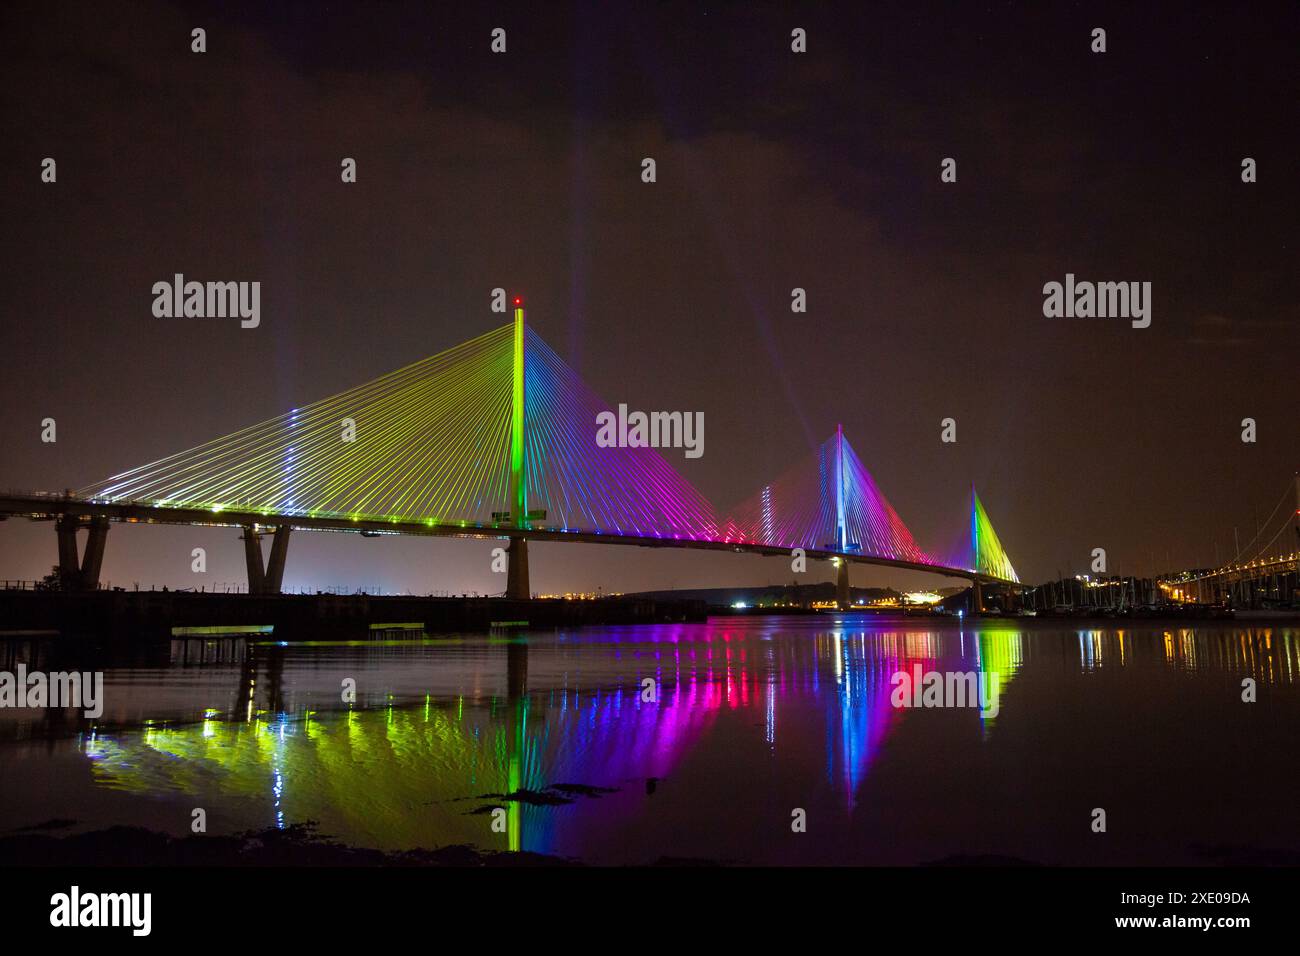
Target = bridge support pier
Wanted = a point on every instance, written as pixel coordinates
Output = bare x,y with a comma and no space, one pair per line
69,571
275,566
93,558
253,559
83,575
265,578
517,570
842,595
976,597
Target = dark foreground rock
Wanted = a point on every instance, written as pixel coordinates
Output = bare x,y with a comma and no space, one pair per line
292,846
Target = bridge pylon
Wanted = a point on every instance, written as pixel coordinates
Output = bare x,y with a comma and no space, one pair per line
1296,522
843,598
517,586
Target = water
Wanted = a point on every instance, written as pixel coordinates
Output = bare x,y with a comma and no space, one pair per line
755,718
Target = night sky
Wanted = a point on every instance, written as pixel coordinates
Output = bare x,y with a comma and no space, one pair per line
775,170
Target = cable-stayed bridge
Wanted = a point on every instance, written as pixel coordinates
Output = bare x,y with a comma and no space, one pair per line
496,437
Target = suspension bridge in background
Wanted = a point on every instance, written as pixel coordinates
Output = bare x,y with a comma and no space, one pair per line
1264,573
496,437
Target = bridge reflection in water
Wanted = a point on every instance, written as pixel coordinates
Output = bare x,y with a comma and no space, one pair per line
561,731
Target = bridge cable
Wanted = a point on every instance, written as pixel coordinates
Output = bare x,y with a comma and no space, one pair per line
1261,528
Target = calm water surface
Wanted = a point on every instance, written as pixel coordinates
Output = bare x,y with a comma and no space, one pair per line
754,718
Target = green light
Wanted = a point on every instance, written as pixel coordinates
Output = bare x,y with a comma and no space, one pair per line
988,555
436,431
518,479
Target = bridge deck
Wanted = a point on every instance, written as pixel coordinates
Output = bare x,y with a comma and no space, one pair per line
47,507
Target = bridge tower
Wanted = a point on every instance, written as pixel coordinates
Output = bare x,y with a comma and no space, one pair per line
976,592
843,597
839,488
1297,509
517,570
